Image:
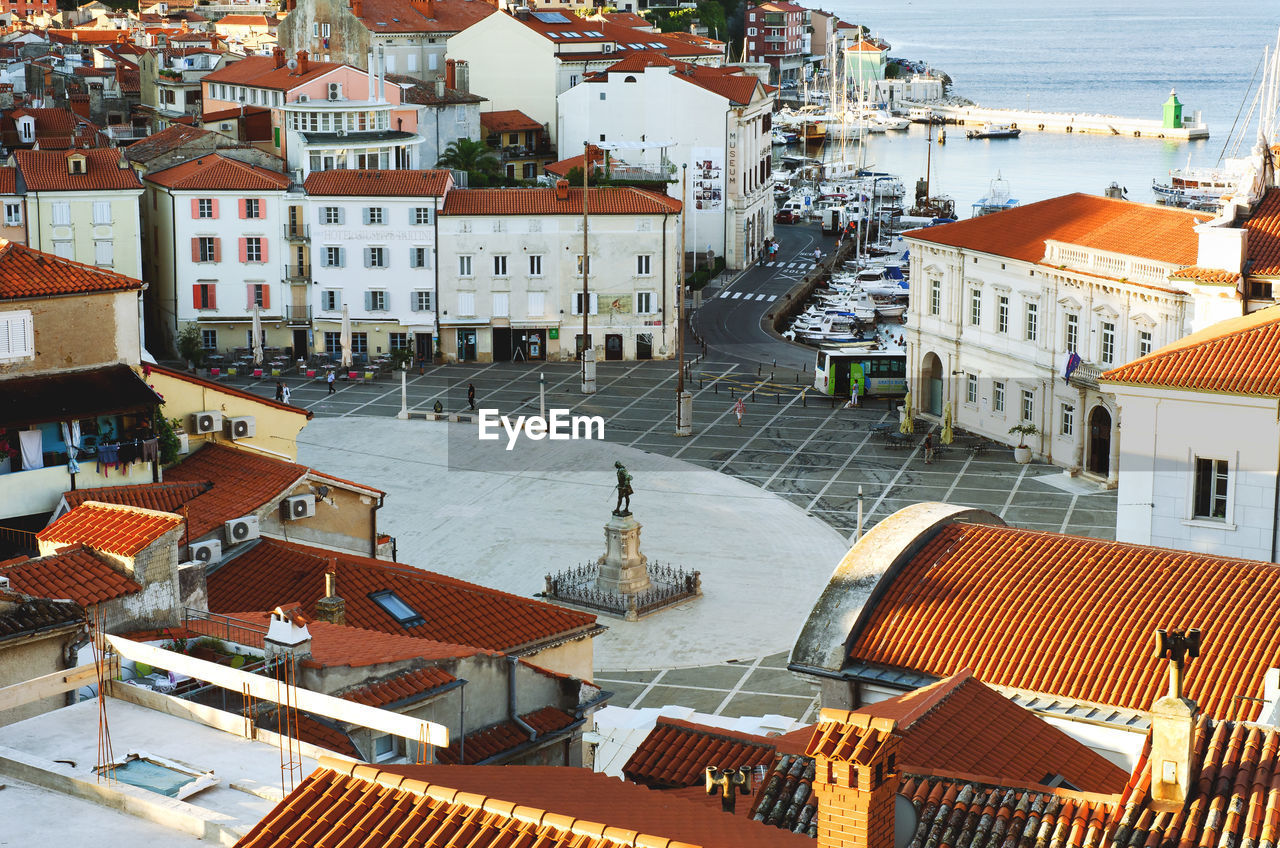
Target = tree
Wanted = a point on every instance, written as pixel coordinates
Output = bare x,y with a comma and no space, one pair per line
473,157
712,16
190,345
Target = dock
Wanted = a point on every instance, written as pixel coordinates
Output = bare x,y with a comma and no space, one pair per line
1069,122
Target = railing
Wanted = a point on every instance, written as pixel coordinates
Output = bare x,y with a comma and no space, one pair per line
297,231
125,132
224,627
297,272
524,152
15,541
669,585
1086,375
298,315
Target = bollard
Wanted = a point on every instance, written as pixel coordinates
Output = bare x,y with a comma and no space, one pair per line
758,368
753,395
716,387
699,382
777,398
731,393
804,399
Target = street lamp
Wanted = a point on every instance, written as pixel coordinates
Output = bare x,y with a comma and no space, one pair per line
684,400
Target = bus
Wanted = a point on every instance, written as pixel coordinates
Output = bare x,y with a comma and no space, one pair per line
876,373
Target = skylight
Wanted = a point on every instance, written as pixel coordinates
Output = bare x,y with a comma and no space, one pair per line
551,17
593,33
658,45
396,608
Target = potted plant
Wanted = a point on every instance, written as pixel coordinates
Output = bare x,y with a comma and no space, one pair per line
8,453
1022,453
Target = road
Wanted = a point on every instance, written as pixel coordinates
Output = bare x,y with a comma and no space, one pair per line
729,320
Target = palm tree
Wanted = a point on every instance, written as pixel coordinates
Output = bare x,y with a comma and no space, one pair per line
473,157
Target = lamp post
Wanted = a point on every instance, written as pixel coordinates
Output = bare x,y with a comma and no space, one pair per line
588,350
684,400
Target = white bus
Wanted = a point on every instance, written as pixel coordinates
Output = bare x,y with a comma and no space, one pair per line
876,373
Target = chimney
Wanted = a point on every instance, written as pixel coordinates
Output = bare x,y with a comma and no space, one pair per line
427,8
304,66
440,87
287,635
855,779
450,73
357,8
331,608
278,53
461,76
562,189
1173,725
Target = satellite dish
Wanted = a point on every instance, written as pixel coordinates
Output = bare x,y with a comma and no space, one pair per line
292,64
905,820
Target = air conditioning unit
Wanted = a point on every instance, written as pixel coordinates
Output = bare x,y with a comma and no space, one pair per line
207,553
240,428
296,507
335,91
208,422
304,98
241,529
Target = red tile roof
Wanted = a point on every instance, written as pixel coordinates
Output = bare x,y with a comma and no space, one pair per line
866,47
242,482
731,82
1000,596
1263,228
29,273
676,753
8,180
247,20
218,173
403,687
323,734
1161,233
372,183
542,201
495,807
22,615
492,742
440,16
261,71
453,611
105,170
627,19
1210,276
74,573
507,120
112,528
603,33
1238,356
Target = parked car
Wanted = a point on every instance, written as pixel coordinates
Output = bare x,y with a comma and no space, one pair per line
786,216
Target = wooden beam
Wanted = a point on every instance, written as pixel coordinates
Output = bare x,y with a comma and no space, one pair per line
48,685
267,689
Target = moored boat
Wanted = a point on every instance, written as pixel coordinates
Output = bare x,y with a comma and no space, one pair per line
990,130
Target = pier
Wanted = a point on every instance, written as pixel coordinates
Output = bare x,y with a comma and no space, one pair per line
1067,122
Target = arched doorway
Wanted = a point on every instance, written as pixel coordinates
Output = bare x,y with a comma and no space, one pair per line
1099,459
931,385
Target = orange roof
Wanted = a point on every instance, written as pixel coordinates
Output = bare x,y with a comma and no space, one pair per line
1239,356
218,173
223,388
406,687
676,753
508,120
492,742
452,610
261,71
866,47
112,528
29,273
729,82
165,497
374,183
1263,228
603,33
73,572
1073,617
627,19
1209,276
497,807
246,20
242,482
47,170
1161,233
542,201
440,16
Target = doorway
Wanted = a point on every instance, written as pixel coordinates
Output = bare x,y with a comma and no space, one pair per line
613,346
300,344
466,345
502,344
931,402
1099,460
422,348
644,346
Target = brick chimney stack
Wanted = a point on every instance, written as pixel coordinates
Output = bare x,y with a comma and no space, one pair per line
855,779
1173,725
278,54
450,73
562,189
331,608
304,66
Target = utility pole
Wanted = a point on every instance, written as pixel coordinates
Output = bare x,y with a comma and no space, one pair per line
684,400
588,350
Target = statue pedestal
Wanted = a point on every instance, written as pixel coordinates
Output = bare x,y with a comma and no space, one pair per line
623,569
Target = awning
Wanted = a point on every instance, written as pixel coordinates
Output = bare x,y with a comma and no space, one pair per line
73,395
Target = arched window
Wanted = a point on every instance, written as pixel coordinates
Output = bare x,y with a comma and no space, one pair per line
629,78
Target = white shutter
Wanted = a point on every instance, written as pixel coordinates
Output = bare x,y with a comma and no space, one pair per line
594,303
17,339
501,305
367,212
368,257
342,216
102,212
466,303
104,252
342,257
61,213
537,304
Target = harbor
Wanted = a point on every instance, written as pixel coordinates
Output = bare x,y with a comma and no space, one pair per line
1172,127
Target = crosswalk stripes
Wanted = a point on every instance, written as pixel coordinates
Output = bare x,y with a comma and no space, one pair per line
760,296
772,298
736,295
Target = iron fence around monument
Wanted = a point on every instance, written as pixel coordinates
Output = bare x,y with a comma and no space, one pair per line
669,585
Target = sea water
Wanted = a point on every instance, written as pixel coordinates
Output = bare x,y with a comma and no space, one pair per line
1090,56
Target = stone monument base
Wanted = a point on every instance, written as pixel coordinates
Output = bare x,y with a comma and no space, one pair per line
623,569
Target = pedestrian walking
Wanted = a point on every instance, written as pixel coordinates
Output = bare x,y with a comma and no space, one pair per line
332,376
928,449
853,395
285,394
471,395
280,391
738,409
817,255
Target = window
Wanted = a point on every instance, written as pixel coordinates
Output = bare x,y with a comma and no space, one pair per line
259,295
579,264
385,746
644,303
1211,488
500,266
375,301
252,249
331,214
466,303
333,257
501,304
535,265
1073,333
251,208
419,257
17,338
1107,344
209,339
464,266
333,344
1067,420
1002,314
975,306
537,304
398,341
971,388
360,344
64,249
13,214
206,249
422,215
375,257
373,215
1144,342
935,297
1032,327
1028,405
420,301
643,265
205,208
324,30
997,396
204,296
104,253
101,212
331,300
577,304
61,211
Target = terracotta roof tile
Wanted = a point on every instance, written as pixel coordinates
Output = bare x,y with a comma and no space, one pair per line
323,734
968,576
387,183
1120,226
492,742
8,180
441,16
22,615
1237,356
112,528
542,201
46,170
261,71
507,120
247,20
1212,276
403,687
242,482
627,19
29,273
74,573
729,82
453,611
218,173
676,753
1263,228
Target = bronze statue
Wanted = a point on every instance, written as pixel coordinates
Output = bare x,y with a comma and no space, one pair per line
624,490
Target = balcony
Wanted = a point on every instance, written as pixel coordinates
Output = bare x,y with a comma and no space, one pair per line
295,231
298,316
297,273
1086,375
